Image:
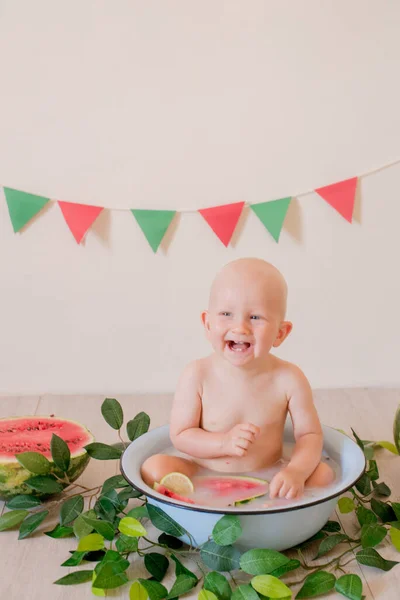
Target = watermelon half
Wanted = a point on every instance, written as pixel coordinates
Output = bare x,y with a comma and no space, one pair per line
33,434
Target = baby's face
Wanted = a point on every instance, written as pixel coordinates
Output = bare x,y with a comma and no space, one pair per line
245,318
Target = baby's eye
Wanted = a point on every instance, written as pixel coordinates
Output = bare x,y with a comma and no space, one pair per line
225,313
255,317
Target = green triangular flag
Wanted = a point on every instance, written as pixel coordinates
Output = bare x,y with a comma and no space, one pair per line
154,224
272,215
22,206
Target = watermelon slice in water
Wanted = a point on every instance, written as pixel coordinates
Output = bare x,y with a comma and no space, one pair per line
33,434
220,491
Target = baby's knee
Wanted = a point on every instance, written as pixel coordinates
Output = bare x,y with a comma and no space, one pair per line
322,476
155,467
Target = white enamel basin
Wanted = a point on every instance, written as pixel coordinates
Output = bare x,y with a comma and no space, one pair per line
275,528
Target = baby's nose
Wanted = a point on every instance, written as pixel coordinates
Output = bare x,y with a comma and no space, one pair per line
241,326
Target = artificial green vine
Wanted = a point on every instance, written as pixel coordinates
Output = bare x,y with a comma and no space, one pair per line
107,534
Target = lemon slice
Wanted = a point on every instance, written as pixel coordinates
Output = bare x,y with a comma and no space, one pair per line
178,483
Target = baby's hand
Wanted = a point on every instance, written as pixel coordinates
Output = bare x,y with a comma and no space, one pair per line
239,438
288,483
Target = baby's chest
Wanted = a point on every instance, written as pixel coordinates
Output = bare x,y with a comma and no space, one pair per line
223,407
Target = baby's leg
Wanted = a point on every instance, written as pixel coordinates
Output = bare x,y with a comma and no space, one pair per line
322,476
154,468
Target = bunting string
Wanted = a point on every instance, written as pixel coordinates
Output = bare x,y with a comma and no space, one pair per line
24,206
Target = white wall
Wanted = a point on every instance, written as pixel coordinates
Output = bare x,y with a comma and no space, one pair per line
187,104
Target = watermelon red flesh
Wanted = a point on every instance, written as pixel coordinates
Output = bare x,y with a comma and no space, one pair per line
220,491
33,434
161,489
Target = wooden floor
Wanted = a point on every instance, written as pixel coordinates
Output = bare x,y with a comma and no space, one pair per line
28,567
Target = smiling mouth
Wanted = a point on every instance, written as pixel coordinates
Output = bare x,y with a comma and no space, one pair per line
238,346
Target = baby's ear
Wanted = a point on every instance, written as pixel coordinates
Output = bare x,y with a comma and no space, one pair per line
284,329
205,321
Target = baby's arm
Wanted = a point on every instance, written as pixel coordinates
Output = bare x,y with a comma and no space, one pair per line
185,431
307,429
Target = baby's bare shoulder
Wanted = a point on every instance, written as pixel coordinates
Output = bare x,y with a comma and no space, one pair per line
290,376
195,371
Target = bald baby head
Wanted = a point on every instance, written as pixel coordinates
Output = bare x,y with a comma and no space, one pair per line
251,277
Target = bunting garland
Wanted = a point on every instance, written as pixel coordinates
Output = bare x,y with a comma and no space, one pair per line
79,217
222,219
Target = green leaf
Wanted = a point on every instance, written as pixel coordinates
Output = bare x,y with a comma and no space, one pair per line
156,564
34,462
365,516
93,541
384,511
101,451
381,489
180,569
373,472
358,440
46,484
317,584
371,558
369,452
138,426
289,566
31,523
218,584
111,556
104,528
346,505
137,592
74,560
182,585
330,542
396,509
395,537
23,501
220,558
111,575
95,555
71,509
60,532
114,482
112,413
60,453
261,561
12,518
164,522
81,528
372,535
363,485
349,586
169,540
97,591
132,527
388,445
140,512
155,590
129,493
271,586
245,592
331,526
125,543
227,530
207,595
74,578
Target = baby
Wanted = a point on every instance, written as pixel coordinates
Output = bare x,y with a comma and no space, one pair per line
230,408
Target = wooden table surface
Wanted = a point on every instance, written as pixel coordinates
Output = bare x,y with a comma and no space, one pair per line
28,567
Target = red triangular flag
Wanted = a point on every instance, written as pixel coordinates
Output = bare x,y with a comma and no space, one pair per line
79,217
223,219
341,196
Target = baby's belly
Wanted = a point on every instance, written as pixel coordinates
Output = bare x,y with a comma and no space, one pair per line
259,456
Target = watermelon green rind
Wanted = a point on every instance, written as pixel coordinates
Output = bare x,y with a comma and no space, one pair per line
13,475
